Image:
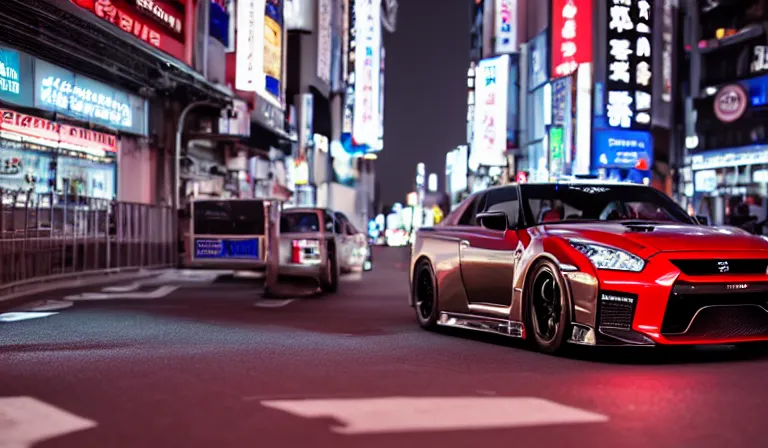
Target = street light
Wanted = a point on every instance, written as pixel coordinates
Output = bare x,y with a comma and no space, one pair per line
177,163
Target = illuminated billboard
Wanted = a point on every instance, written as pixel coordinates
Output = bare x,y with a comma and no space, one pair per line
571,35
490,119
365,119
259,57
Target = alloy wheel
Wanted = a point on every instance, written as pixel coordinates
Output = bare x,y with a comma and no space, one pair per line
547,307
425,295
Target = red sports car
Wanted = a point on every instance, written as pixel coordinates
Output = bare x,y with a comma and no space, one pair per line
589,264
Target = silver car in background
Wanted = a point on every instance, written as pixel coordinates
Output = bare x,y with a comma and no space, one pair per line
321,244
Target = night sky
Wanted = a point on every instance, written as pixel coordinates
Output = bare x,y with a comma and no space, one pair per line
425,92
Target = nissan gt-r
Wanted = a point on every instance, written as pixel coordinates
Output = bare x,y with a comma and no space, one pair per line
589,264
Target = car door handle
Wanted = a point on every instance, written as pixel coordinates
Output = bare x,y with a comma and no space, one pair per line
464,243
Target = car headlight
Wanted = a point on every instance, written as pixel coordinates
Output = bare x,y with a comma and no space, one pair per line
604,257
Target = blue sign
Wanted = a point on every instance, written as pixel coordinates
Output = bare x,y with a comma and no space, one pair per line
15,77
538,64
622,150
10,72
227,249
62,91
219,23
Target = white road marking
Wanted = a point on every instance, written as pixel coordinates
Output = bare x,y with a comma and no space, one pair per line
273,303
158,293
17,317
411,414
124,288
44,305
25,421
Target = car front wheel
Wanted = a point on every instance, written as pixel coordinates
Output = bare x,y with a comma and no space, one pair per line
548,316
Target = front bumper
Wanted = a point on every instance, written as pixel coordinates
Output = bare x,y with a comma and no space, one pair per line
662,305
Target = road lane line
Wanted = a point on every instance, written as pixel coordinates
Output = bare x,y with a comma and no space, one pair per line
158,293
44,305
124,288
26,421
415,414
273,303
18,316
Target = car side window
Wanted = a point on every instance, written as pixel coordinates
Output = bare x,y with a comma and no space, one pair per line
338,224
503,200
328,220
349,229
468,217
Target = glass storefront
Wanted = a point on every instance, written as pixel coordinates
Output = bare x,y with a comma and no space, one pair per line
24,170
82,177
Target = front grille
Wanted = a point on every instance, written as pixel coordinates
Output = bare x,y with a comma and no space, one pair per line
722,266
729,322
616,310
706,302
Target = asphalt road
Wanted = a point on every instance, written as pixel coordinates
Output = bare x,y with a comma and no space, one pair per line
196,361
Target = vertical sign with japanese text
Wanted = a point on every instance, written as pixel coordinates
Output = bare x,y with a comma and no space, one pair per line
628,83
490,120
324,41
365,122
663,61
506,26
571,35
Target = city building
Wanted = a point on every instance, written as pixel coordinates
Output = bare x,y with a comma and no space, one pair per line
726,152
572,88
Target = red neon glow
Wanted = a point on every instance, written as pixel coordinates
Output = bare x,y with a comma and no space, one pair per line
122,15
571,35
40,128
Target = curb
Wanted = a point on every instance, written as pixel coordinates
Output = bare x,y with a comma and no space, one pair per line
83,280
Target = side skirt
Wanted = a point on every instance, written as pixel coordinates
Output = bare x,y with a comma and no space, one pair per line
482,323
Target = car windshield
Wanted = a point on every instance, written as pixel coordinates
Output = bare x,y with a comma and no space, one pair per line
233,217
551,203
296,222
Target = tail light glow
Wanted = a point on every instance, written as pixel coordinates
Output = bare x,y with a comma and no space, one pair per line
305,252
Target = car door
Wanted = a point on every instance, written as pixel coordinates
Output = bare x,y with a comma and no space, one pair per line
338,236
357,242
344,241
488,256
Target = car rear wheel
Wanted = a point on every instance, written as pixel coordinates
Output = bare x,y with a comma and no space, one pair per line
548,308
425,295
330,281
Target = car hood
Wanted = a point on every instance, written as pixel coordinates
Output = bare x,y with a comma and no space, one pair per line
646,239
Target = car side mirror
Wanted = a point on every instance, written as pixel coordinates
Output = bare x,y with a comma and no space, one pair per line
493,220
703,220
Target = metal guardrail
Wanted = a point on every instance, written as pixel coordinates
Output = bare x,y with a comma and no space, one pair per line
49,237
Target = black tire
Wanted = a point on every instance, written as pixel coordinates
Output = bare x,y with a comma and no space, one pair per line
329,283
548,311
424,290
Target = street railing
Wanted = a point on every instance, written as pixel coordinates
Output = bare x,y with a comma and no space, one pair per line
49,237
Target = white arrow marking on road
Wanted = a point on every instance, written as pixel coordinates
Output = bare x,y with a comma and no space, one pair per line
273,303
25,421
17,317
159,293
410,414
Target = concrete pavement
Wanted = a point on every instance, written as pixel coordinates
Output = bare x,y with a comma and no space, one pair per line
197,364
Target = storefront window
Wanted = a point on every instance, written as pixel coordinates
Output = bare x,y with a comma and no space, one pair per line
23,170
80,177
